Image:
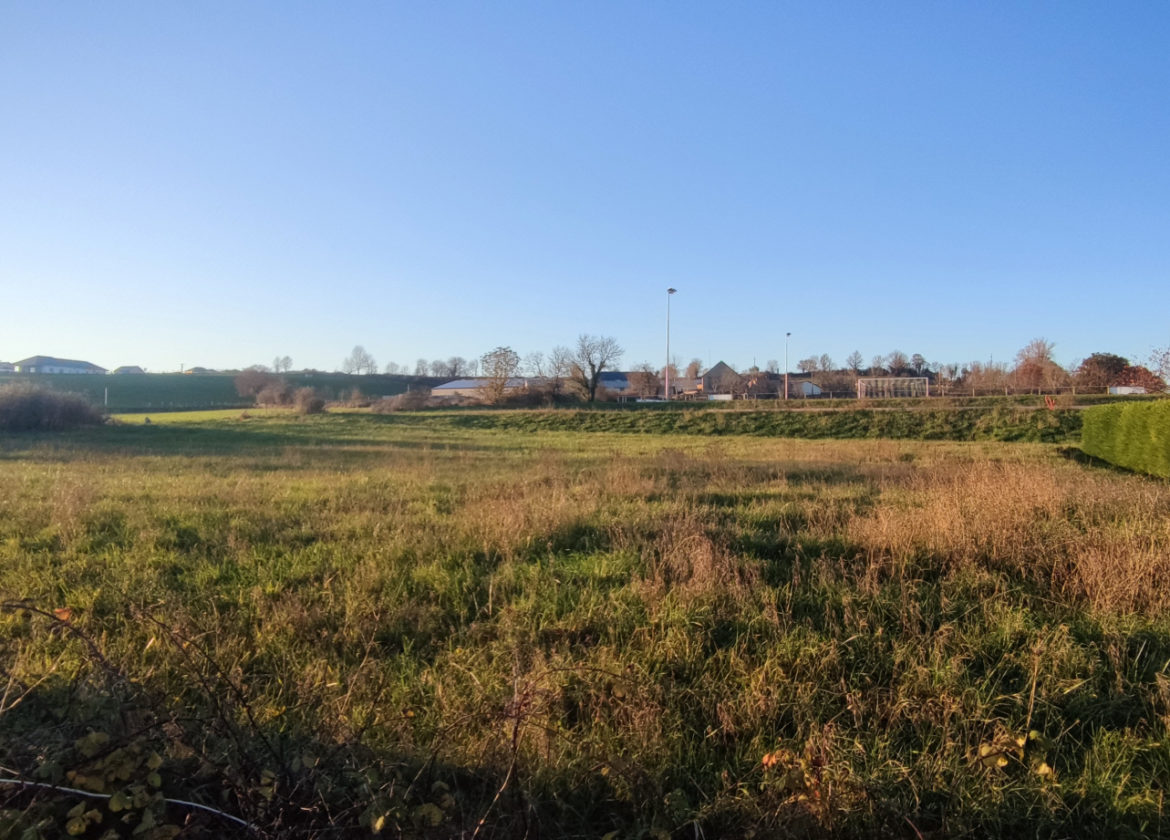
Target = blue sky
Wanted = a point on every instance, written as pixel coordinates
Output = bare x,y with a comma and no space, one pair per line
214,183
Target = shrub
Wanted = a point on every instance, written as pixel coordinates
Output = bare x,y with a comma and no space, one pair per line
412,400
307,401
1135,436
276,393
26,408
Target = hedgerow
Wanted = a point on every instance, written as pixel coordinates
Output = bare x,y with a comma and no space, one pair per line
1134,436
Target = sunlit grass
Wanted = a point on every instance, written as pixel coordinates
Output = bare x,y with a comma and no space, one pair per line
630,633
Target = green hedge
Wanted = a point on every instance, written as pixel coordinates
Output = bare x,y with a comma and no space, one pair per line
1134,436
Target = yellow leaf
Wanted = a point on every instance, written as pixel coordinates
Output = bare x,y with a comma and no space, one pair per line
1042,769
377,825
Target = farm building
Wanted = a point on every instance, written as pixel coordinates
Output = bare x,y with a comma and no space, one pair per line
48,364
7,367
127,369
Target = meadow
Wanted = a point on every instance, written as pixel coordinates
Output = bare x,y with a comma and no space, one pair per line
423,625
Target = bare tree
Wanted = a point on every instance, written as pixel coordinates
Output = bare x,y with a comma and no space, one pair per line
825,362
421,367
1036,369
498,365
438,368
1159,362
282,364
876,366
808,365
854,361
897,363
644,380
533,364
359,361
393,368
456,366
773,366
694,368
593,355
918,363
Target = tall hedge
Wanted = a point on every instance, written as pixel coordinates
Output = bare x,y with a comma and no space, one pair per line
1134,435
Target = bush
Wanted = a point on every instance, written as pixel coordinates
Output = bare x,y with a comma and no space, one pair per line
410,401
1135,436
307,401
277,393
25,408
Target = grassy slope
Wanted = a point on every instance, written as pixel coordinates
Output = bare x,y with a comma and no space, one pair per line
172,391
399,617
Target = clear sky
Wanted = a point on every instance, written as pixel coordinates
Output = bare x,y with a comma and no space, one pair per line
219,183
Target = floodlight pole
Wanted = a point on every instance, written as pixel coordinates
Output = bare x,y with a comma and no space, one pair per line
666,370
787,336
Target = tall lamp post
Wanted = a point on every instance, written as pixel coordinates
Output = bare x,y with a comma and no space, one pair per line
787,336
666,370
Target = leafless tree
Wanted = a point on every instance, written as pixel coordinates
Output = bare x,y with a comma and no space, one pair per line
359,361
644,380
854,360
876,366
694,368
897,363
1036,370
825,362
282,364
498,366
773,366
808,365
918,364
438,368
1159,362
421,367
393,368
592,356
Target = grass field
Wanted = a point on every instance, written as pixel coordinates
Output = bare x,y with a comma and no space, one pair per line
418,626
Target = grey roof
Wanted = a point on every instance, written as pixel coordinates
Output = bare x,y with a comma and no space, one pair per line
51,360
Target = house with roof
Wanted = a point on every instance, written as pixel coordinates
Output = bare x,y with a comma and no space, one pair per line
118,371
50,364
7,367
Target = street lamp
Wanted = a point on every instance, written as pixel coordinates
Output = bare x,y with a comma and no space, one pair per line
787,336
669,292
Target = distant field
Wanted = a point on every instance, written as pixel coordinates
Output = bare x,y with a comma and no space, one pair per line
337,624
178,392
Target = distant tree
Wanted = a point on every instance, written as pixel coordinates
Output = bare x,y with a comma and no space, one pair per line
1035,368
984,377
592,356
644,380
825,362
897,363
456,366
694,368
498,366
773,366
918,364
359,361
533,364
1100,370
421,367
854,360
1159,362
1139,376
673,368
394,369
251,381
808,365
876,366
438,368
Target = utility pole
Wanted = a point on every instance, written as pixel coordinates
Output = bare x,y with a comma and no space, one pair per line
666,370
787,336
